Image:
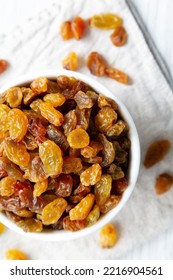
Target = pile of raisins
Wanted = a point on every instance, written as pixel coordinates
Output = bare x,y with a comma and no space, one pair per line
64,153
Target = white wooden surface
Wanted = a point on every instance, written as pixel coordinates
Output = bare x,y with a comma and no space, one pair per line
157,16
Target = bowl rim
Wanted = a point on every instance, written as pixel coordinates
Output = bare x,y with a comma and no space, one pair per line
134,157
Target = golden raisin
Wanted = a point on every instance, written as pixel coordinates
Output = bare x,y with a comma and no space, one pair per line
6,186
73,225
39,85
91,175
40,187
108,236
105,21
4,110
56,99
51,114
105,119
102,189
66,30
78,138
15,254
93,216
70,62
51,156
156,152
96,64
24,213
14,97
119,36
17,153
28,95
17,122
163,183
78,27
2,228
116,74
82,209
30,225
72,165
35,105
53,211
3,65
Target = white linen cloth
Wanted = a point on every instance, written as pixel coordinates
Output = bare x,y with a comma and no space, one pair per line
37,45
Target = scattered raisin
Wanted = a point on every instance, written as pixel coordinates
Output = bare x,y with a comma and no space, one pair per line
156,152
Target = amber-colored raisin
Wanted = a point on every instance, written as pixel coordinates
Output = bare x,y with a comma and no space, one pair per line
53,211
40,187
93,216
30,225
96,64
24,213
71,165
15,254
51,156
108,150
163,183
3,65
108,236
56,99
17,122
2,228
156,152
115,171
79,193
35,105
35,125
119,36
65,82
116,129
78,138
73,225
120,154
91,175
83,117
70,62
30,142
117,75
105,21
51,114
119,186
102,102
17,153
10,204
39,85
70,122
93,160
11,169
28,95
6,186
102,189
105,119
112,202
64,185
4,110
56,135
82,209
14,97
83,100
74,152
88,152
66,30
35,172
78,27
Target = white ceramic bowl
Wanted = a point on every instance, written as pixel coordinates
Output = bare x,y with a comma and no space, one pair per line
133,164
